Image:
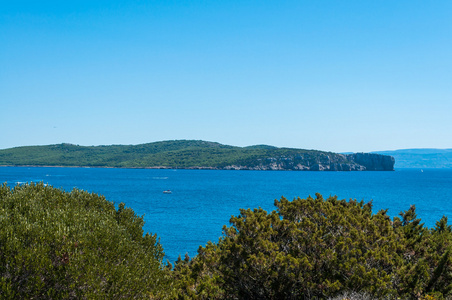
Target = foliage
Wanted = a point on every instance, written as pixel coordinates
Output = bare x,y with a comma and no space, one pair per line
77,245
427,257
319,248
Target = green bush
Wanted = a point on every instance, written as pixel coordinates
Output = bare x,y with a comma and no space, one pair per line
60,245
317,248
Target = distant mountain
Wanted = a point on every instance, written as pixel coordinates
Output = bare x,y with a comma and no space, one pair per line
420,158
192,154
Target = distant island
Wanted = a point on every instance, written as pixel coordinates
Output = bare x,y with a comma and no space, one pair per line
421,158
193,154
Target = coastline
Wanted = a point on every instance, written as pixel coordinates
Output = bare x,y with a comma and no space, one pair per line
227,168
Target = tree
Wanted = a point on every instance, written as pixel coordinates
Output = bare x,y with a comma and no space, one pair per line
74,245
426,255
308,248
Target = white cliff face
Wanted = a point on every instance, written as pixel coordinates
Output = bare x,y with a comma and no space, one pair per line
334,162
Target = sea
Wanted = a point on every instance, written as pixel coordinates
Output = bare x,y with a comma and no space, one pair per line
202,201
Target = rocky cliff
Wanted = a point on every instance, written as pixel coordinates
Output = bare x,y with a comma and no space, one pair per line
373,162
321,162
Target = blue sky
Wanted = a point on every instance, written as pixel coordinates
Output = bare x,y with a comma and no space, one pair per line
327,75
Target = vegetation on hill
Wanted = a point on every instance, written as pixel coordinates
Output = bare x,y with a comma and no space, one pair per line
76,245
180,154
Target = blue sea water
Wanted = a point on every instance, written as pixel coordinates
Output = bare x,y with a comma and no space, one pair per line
202,201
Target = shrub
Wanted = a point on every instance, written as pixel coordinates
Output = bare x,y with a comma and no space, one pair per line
73,245
317,248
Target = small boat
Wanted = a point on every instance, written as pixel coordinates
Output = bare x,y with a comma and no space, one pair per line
167,192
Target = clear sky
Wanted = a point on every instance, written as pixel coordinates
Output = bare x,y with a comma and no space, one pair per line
328,75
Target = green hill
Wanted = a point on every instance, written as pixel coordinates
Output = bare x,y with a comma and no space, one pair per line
192,154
